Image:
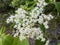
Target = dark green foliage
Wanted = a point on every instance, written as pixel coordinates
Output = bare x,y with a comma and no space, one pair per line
49,8
4,6
57,0
25,4
42,28
49,1
57,5
38,42
54,12
4,3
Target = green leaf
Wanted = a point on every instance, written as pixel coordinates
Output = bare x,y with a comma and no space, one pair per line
19,42
38,42
57,5
0,41
9,40
15,41
2,30
58,44
24,42
42,27
48,1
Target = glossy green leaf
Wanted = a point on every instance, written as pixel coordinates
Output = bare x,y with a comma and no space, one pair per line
57,5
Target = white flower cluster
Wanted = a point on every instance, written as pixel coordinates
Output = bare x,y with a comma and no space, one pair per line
25,22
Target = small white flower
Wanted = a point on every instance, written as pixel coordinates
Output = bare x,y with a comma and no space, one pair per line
25,25
21,37
43,39
40,20
51,16
16,34
15,26
8,21
46,24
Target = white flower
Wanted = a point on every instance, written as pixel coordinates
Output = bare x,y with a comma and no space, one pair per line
51,16
20,11
8,21
43,39
21,37
46,24
25,25
16,34
41,19
15,26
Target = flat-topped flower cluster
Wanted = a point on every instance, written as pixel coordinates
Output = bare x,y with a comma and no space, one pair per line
27,23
